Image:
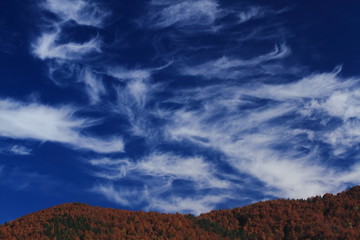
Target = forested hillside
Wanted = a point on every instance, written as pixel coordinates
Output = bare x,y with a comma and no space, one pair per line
327,217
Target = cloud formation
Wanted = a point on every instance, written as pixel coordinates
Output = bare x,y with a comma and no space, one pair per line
195,205
47,47
268,120
63,55
232,110
16,150
82,12
44,123
232,68
158,174
261,140
199,14
20,150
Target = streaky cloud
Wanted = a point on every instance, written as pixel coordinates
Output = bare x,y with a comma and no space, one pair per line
254,12
40,122
162,165
47,47
233,68
199,14
20,150
194,205
82,12
257,12
95,88
256,138
16,150
275,127
157,174
122,195
123,74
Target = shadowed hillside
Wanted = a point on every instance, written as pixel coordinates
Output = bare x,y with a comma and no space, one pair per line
317,218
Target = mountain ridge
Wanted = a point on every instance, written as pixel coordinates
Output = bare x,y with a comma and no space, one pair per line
320,217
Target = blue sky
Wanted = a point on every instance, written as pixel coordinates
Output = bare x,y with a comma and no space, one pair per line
176,106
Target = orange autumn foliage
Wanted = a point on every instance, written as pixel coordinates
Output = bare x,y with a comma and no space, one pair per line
329,217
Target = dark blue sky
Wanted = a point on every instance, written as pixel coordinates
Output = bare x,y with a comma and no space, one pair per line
176,106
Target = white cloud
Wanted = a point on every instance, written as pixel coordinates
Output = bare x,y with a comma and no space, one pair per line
315,86
16,150
129,74
344,137
47,47
94,85
133,98
233,68
20,150
160,165
65,73
330,96
246,122
251,139
252,153
252,13
138,90
192,168
352,175
344,103
20,120
121,195
195,205
189,14
82,12
157,173
108,162
248,143
62,54
256,12
258,140
288,172
61,72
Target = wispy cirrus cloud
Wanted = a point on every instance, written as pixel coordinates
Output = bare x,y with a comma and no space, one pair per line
47,47
199,14
16,150
194,205
263,128
234,68
94,85
161,165
262,121
159,174
253,12
257,12
134,97
82,12
124,74
64,55
20,150
126,196
39,122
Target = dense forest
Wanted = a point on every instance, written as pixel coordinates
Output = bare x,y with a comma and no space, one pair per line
327,217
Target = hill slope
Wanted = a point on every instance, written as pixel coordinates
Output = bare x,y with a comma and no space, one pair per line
317,218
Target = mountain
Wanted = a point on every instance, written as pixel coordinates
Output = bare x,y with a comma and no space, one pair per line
318,218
